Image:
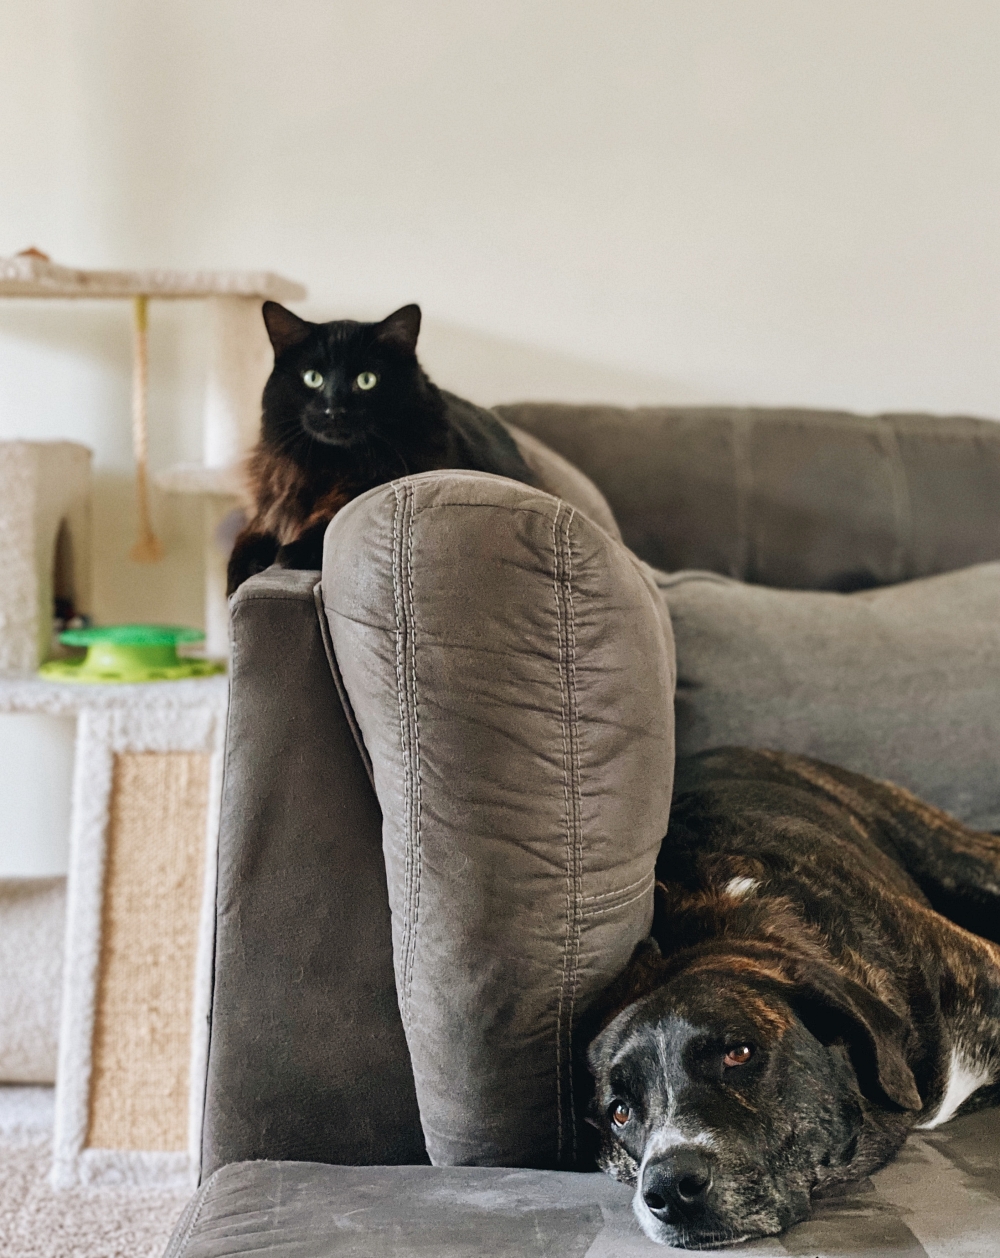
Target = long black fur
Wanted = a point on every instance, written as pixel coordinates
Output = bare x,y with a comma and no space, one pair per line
320,447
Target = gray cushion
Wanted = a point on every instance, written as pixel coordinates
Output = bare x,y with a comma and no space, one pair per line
299,1210
304,1005
558,476
941,1197
789,498
900,683
511,668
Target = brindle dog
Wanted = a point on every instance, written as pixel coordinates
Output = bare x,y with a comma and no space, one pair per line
804,1005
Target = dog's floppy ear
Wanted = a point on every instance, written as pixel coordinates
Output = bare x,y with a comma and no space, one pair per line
834,1007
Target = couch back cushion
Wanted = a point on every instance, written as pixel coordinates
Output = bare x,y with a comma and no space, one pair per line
510,666
797,499
900,683
558,476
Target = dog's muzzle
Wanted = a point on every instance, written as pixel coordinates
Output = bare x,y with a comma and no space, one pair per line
675,1186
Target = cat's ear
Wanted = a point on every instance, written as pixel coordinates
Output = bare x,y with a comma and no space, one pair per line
284,328
400,329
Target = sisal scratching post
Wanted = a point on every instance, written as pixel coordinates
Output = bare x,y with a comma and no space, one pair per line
140,925
152,897
148,548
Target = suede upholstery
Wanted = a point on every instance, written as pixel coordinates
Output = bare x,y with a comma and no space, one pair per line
304,1007
808,500
901,683
487,634
558,476
941,1200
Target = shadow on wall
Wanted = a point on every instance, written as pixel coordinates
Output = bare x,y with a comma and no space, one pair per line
485,368
490,369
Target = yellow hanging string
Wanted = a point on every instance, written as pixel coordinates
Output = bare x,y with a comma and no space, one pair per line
148,548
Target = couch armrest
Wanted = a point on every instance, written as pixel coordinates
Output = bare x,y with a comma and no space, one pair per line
307,1058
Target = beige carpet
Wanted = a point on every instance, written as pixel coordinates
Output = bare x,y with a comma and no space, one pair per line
38,1222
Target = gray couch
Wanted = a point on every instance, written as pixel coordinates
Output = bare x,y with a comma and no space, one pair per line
312,1142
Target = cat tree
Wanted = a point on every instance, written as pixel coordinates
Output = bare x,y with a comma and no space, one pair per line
140,891
239,363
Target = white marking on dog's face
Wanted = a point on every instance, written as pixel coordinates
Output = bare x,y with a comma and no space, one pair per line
740,887
666,1130
661,1140
964,1077
663,1060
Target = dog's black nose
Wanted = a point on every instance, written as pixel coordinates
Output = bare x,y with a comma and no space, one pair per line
677,1183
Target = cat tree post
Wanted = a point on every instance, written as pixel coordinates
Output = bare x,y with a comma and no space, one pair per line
239,364
239,361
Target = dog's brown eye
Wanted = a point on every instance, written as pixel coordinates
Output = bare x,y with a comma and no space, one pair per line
738,1055
620,1114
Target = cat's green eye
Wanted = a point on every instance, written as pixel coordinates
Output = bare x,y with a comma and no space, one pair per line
313,379
367,380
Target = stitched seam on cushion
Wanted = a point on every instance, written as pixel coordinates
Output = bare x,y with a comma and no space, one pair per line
399,612
415,747
574,729
569,711
492,506
744,560
901,506
563,705
176,1249
622,904
607,895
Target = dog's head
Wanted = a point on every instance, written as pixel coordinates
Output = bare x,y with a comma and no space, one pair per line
733,1083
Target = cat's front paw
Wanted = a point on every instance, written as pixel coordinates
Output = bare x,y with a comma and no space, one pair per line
306,552
252,553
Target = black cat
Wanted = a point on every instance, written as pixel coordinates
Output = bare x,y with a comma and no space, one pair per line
348,407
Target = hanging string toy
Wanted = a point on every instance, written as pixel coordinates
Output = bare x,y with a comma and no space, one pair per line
148,548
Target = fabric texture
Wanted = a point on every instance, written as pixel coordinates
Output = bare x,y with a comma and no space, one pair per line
307,1057
141,1064
796,499
901,683
558,476
510,666
939,1199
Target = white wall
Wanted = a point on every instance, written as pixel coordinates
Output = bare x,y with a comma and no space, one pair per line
764,201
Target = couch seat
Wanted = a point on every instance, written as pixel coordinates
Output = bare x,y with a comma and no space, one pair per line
939,1199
